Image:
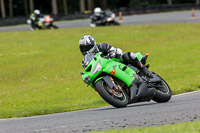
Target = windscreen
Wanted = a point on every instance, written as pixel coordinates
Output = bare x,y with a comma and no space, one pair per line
87,59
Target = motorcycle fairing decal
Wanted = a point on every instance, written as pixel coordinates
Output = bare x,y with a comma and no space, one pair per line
113,71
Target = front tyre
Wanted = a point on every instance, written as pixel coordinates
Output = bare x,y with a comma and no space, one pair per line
92,25
114,97
163,91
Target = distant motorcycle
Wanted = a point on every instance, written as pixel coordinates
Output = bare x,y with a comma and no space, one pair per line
108,19
44,22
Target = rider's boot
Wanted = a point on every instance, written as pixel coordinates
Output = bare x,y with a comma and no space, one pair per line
140,65
131,58
146,71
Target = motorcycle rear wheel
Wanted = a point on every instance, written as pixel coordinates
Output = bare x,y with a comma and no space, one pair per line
163,93
106,93
116,23
54,26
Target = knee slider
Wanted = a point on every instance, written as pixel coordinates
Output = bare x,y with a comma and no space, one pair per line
133,56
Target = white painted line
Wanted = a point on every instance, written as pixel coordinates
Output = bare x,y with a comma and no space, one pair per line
40,130
187,93
62,127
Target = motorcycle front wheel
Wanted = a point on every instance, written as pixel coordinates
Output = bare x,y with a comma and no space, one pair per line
116,97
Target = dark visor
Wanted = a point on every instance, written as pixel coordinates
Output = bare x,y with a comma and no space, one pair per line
85,48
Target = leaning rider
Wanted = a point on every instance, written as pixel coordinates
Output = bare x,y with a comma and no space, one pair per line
88,44
99,15
35,18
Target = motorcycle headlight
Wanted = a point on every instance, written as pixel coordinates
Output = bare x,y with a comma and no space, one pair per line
97,68
87,80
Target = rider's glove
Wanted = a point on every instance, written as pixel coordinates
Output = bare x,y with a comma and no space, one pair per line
115,52
111,54
118,52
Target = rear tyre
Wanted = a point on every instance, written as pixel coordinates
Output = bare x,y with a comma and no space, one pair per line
163,93
116,23
117,99
53,26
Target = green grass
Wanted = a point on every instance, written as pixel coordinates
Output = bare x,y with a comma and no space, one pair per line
40,70
190,127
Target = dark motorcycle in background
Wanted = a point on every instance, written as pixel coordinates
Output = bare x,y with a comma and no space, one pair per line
44,22
109,19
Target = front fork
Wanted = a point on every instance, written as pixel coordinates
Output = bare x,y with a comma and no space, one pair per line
115,86
110,82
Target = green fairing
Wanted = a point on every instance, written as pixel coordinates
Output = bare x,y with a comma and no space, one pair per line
108,65
126,76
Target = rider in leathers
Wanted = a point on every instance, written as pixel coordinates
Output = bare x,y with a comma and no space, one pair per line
98,17
88,44
34,17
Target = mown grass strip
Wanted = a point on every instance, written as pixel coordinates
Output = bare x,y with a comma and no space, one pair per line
189,127
40,70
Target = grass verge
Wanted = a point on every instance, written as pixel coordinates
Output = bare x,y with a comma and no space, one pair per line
190,127
40,70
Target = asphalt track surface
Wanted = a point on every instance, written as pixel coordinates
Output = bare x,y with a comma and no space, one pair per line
160,18
181,108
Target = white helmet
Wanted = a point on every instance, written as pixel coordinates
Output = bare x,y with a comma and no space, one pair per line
97,11
86,43
37,12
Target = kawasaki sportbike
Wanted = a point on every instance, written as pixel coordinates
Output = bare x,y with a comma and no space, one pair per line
122,84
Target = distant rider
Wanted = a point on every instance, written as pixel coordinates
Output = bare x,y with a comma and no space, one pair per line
99,15
34,17
88,44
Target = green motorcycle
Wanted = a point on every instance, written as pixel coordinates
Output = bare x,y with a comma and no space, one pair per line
122,84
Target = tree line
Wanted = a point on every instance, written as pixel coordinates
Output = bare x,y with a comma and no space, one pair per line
12,8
